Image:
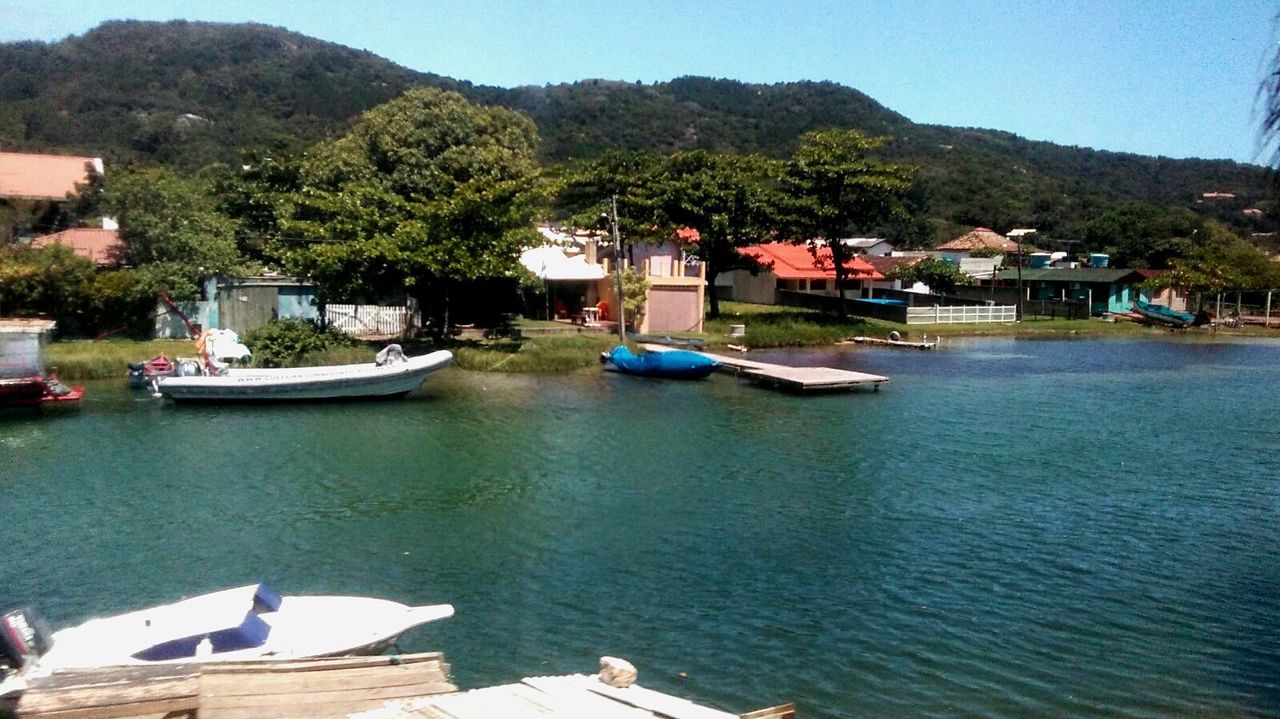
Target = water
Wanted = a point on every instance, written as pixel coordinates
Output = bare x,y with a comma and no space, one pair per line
1009,528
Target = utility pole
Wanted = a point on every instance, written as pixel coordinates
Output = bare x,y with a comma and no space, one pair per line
617,267
1017,235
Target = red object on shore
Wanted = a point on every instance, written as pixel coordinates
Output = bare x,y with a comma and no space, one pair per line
35,391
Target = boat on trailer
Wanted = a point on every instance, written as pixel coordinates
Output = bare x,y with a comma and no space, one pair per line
1163,315
246,623
392,374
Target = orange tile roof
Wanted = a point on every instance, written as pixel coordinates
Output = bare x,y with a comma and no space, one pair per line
795,262
100,246
981,238
42,177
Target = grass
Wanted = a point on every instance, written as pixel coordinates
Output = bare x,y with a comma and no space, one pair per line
766,326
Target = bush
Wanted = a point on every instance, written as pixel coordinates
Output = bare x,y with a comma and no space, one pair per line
286,342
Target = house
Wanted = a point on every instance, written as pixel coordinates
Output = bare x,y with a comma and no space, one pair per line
582,288
101,246
870,246
45,177
1175,298
1104,289
37,187
979,238
796,268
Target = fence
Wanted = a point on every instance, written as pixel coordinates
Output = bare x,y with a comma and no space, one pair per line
961,314
361,320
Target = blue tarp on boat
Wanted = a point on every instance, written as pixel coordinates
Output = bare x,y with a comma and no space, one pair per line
1166,315
676,364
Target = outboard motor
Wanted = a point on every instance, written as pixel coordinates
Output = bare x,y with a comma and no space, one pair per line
189,368
24,637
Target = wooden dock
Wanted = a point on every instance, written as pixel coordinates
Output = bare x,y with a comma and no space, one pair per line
904,344
800,379
412,686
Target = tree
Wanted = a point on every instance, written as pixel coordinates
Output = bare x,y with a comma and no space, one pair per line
941,276
1221,262
168,225
837,190
1139,235
729,200
424,191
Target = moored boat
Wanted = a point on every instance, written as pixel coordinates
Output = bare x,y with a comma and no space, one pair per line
241,624
392,374
1163,315
676,364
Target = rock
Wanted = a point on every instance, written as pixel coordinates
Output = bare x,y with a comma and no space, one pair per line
616,672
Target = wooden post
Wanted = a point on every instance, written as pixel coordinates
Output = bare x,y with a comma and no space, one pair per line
1267,321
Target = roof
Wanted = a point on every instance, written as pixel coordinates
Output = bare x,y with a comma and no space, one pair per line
862,243
551,263
980,238
796,262
44,177
884,264
1104,275
102,247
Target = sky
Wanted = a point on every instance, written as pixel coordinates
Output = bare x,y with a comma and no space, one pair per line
1173,78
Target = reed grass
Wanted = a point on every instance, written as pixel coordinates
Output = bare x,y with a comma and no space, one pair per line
543,354
76,360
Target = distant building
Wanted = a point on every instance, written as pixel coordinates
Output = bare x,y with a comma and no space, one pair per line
102,247
873,246
795,268
45,177
979,238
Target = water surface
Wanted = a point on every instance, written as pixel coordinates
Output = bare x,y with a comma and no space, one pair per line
1069,528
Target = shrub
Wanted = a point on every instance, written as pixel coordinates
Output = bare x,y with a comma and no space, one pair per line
286,342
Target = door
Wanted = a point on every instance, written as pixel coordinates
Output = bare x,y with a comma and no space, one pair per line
245,307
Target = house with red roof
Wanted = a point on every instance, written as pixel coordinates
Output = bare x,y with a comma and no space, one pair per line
44,177
797,268
99,245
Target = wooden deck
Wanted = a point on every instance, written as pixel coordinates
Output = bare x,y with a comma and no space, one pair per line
905,344
800,379
321,688
413,686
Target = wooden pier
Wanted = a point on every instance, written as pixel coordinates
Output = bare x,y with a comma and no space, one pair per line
412,686
800,379
904,344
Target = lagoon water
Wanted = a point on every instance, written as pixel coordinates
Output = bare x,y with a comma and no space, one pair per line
1009,528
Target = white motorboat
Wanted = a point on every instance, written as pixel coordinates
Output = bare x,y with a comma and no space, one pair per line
242,624
391,378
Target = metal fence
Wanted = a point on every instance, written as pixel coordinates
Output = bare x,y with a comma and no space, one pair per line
967,314
362,320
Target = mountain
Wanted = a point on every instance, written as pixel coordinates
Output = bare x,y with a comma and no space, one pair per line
189,94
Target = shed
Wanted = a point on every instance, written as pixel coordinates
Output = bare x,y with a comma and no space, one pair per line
1106,289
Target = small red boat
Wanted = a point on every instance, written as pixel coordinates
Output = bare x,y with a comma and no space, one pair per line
23,380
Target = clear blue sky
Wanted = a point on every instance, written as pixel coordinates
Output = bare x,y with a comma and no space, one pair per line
1172,78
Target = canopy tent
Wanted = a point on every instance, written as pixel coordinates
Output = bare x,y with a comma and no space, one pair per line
552,264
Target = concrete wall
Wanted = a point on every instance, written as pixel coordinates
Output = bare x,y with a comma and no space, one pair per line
760,289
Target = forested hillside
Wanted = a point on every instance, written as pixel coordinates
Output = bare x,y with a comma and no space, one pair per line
190,94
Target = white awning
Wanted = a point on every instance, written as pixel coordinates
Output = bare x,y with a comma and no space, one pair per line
551,263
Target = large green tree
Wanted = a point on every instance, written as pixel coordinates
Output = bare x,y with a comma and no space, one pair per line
730,200
170,229
838,189
424,192
1140,235
1221,262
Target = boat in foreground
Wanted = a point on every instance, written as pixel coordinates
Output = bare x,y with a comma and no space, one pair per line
676,364
1163,315
252,622
391,375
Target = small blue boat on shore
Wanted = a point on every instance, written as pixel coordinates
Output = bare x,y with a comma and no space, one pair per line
676,364
1163,315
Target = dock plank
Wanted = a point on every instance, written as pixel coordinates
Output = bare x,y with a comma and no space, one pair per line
803,379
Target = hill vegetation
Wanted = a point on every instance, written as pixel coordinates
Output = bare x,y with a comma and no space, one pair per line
188,95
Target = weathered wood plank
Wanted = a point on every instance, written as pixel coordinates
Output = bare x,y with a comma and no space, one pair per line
782,711
341,679
102,697
321,663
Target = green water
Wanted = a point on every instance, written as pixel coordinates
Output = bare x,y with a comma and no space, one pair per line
1009,528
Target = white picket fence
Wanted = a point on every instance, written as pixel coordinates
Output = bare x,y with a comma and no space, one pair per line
957,314
360,320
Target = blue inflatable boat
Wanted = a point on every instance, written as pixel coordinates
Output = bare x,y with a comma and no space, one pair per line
676,364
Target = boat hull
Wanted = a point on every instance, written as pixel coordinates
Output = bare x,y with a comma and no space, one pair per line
296,627
676,364
1163,315
310,384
